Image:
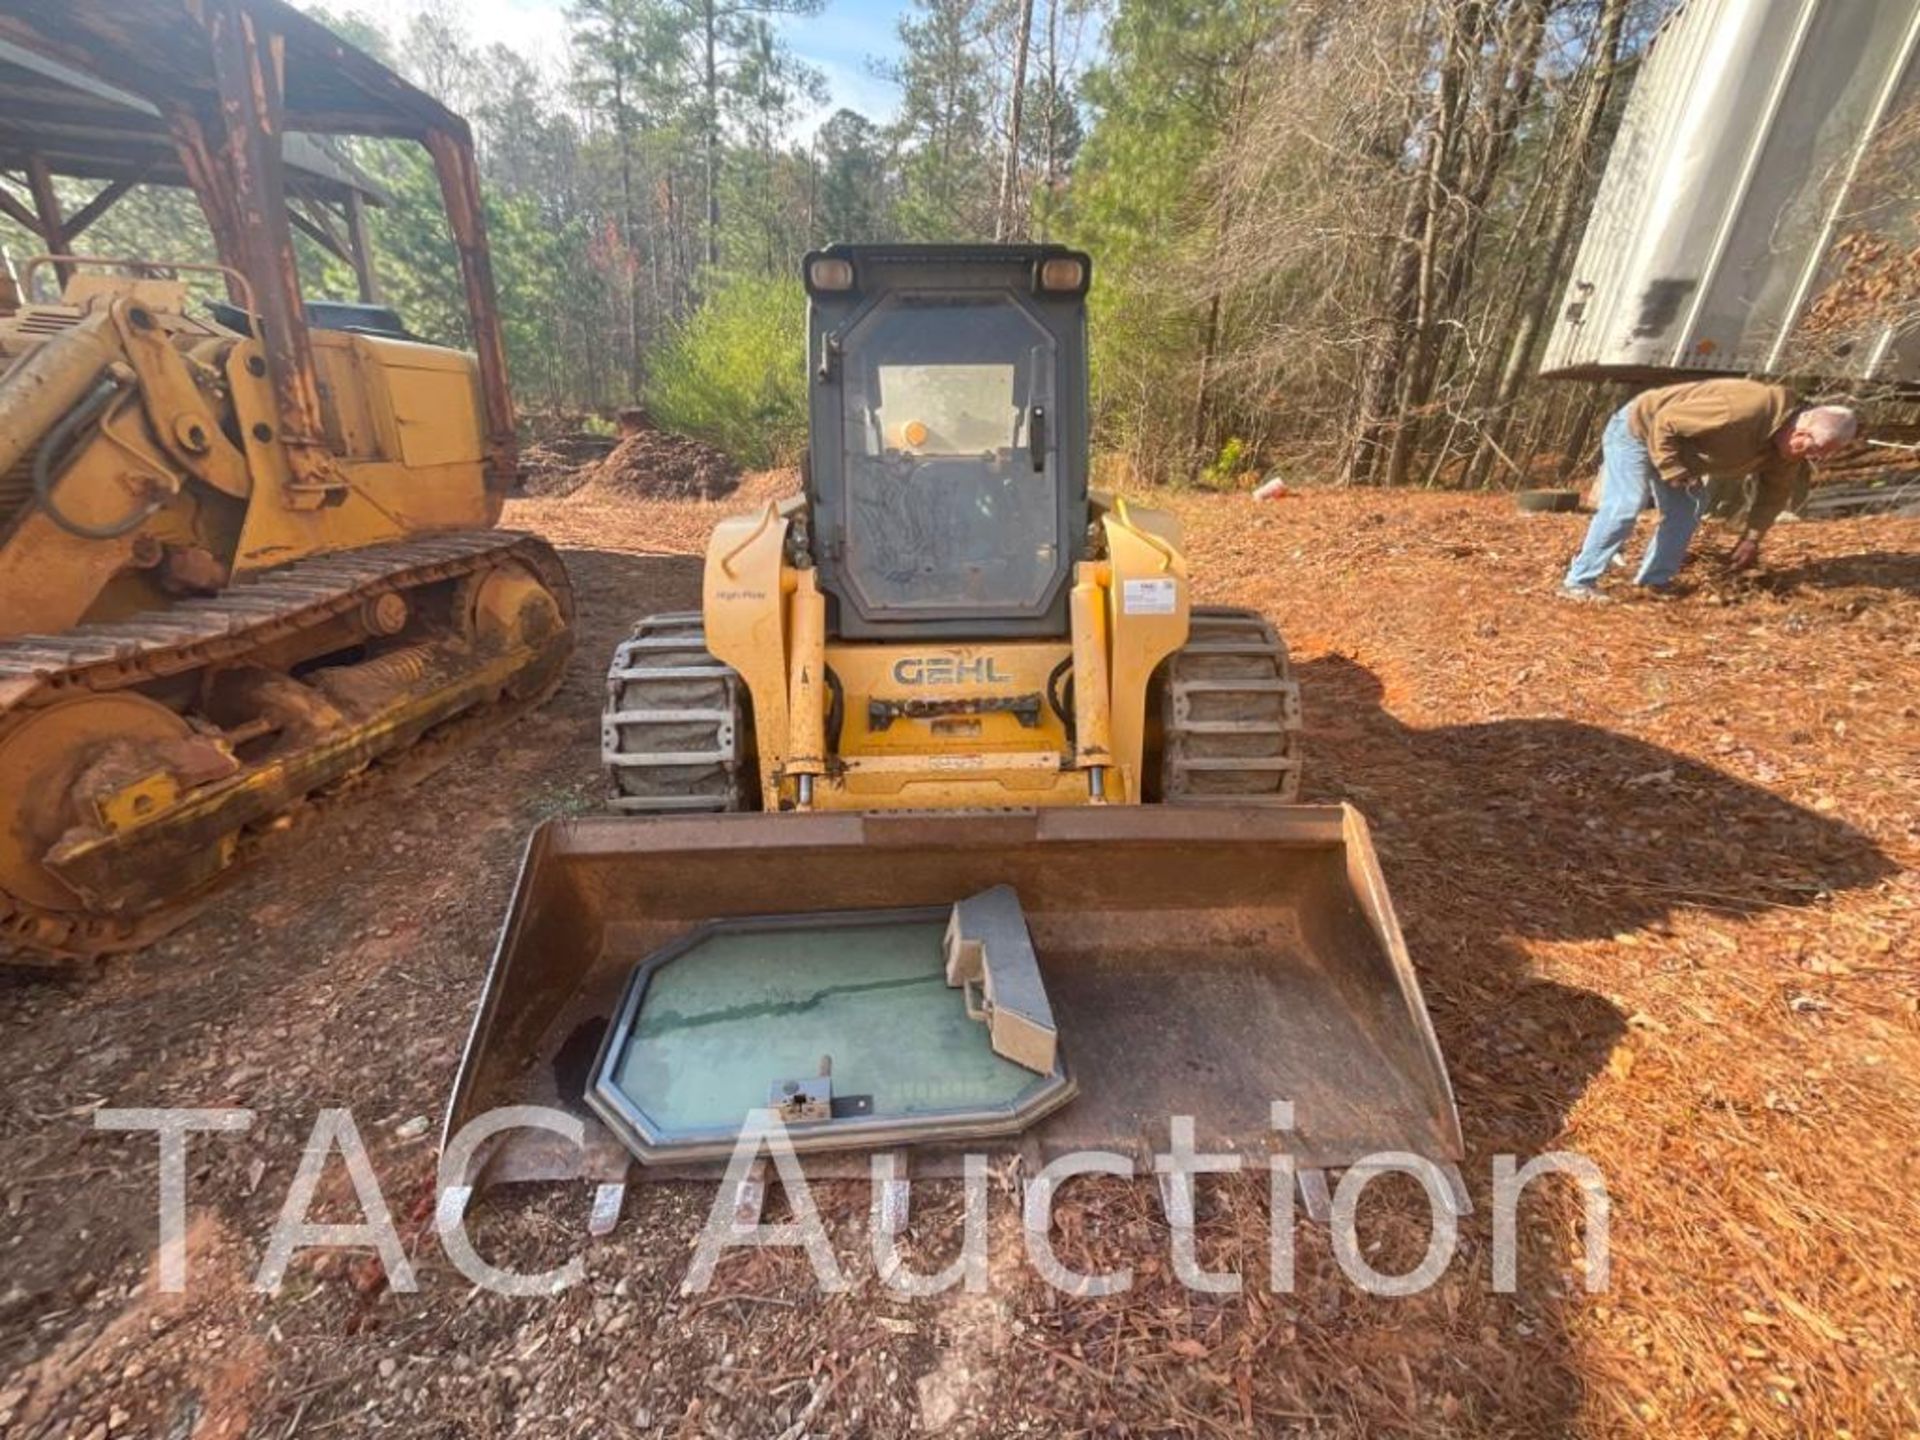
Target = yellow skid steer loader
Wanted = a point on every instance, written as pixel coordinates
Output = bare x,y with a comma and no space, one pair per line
947,668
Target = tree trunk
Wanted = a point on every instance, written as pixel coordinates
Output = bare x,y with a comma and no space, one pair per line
1051,132
1375,411
1566,211
1216,305
1594,404
630,277
1512,89
1517,260
710,141
1381,379
1202,401
1444,267
1003,223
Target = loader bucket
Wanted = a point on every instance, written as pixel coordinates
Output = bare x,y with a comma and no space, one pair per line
1200,962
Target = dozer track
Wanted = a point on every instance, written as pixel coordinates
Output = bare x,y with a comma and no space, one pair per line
1229,714
674,735
140,760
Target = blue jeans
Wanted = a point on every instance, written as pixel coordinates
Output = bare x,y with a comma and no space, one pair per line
1626,479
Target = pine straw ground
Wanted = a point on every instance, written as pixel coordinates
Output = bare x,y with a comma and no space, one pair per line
1656,865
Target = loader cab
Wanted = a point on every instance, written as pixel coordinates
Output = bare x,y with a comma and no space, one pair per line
947,449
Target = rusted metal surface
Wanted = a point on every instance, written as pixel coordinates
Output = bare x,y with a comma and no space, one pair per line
129,874
46,207
49,382
215,93
452,151
1200,962
18,213
108,196
246,67
84,127
158,48
228,80
202,632
198,636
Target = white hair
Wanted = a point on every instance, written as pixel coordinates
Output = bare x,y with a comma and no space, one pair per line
1827,425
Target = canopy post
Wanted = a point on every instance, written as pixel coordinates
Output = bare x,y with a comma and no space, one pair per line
46,205
466,216
360,249
247,72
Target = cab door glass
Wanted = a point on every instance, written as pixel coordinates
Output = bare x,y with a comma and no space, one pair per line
951,498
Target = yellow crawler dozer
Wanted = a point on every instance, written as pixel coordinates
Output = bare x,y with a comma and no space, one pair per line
246,547
949,741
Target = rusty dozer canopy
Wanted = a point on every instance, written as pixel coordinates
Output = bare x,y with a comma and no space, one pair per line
1201,962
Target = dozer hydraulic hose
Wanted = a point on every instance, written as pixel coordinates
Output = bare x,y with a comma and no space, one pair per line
55,448
44,385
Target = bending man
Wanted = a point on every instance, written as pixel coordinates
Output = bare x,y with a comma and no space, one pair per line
1666,443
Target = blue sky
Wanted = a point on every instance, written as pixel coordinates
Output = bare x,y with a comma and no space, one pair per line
840,42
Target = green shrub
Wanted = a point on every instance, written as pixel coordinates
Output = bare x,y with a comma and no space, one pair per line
735,373
1226,467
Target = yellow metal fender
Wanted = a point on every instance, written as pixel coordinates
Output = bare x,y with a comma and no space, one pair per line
743,604
1148,604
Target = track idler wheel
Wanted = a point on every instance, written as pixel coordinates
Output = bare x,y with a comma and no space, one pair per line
509,608
88,766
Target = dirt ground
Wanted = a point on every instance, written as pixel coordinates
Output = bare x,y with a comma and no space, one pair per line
1657,867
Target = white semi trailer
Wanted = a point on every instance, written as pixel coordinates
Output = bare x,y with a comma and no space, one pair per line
1760,210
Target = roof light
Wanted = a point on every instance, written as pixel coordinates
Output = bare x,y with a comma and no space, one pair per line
827,272
1063,272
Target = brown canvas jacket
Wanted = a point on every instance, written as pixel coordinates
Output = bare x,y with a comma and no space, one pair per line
1704,429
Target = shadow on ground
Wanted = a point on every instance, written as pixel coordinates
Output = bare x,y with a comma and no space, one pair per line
1874,569
1494,835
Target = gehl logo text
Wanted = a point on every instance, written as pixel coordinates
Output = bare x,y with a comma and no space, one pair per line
947,670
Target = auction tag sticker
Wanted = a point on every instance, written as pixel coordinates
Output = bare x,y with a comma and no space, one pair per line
1149,597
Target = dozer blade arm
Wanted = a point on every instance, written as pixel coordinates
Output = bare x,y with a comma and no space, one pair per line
45,385
108,421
